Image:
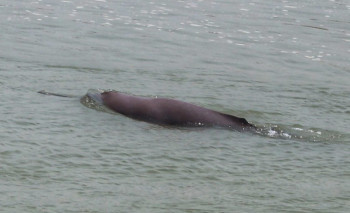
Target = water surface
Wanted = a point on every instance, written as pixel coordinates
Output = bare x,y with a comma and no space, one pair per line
283,65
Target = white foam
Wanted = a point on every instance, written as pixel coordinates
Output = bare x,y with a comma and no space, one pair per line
271,133
286,135
298,129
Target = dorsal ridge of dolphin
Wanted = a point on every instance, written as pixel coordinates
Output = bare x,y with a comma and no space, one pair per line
243,121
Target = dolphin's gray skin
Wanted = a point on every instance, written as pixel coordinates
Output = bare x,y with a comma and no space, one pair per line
164,111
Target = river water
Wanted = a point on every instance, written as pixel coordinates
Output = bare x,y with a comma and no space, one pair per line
283,65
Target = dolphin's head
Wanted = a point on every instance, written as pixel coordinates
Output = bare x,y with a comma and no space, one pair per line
97,97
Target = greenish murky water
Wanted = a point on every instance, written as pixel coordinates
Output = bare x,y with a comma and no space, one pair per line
282,65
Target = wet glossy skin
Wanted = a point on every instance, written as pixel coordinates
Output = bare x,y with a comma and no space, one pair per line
166,111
